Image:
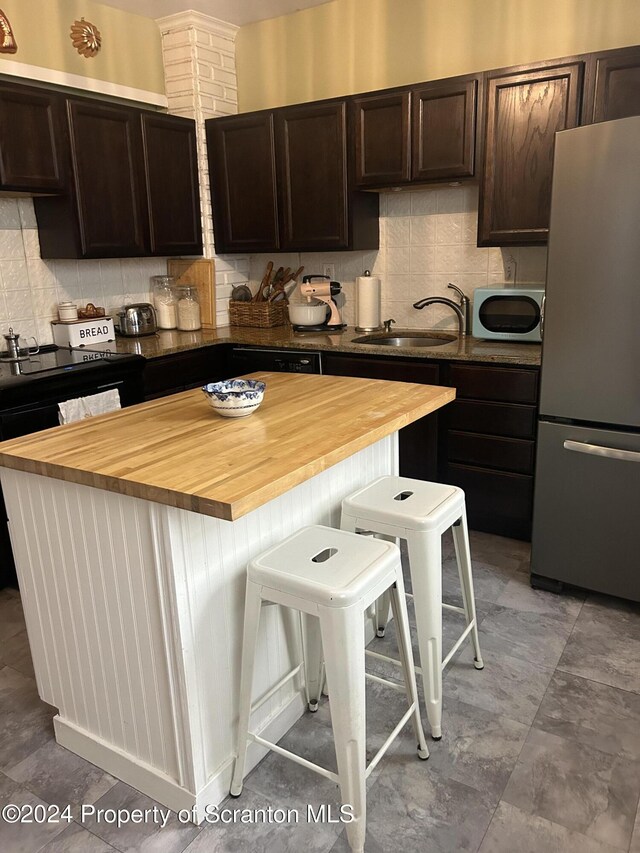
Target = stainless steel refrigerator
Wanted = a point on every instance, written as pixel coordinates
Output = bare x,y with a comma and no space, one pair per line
586,521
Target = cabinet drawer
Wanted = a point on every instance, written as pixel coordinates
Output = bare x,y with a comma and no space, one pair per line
504,454
511,385
493,418
496,502
395,369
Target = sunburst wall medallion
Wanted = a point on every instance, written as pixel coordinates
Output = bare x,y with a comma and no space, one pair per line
86,38
7,41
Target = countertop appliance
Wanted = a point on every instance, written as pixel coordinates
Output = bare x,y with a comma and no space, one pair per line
248,360
324,290
507,313
31,389
587,493
137,320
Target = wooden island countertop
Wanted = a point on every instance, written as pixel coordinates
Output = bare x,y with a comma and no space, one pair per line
178,451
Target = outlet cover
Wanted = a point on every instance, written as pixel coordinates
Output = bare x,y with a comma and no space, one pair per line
510,268
330,270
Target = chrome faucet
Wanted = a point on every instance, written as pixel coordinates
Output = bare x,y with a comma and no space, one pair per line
387,325
463,309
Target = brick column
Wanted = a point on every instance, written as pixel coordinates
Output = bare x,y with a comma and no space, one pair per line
200,78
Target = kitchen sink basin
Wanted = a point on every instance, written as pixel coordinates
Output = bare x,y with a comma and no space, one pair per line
416,339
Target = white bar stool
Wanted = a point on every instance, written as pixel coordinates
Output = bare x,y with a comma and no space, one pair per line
335,576
420,512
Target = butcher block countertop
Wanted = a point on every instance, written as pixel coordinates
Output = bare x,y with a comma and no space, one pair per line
178,451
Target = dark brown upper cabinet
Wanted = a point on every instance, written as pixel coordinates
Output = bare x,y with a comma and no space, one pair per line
612,86
319,210
423,135
105,152
312,147
132,188
382,130
524,110
242,172
444,129
279,181
31,136
171,175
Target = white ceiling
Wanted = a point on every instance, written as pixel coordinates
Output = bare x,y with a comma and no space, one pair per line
237,12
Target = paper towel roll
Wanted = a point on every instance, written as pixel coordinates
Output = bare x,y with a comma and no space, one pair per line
368,303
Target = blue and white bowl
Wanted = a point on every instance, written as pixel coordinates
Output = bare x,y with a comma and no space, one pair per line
234,398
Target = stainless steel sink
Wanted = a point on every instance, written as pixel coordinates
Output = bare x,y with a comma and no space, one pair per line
415,339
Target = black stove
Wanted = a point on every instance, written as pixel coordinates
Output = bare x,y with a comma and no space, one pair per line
58,361
31,390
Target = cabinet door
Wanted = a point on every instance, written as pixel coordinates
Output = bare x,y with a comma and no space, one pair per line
419,441
31,134
382,139
242,173
171,174
311,143
524,110
444,129
612,89
170,374
106,155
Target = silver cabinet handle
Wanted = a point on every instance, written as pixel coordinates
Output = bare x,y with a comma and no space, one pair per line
598,450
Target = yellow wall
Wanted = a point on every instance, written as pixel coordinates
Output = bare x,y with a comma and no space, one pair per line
348,46
131,47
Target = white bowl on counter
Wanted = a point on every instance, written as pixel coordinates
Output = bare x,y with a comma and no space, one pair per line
308,313
234,398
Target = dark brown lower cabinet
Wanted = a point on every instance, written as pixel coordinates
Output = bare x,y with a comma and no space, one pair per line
483,442
487,444
181,371
497,502
419,440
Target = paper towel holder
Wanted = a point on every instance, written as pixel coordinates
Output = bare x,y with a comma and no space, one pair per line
368,319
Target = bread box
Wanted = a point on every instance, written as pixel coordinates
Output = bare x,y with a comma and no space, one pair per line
82,333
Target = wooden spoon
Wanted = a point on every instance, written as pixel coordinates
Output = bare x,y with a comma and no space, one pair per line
259,297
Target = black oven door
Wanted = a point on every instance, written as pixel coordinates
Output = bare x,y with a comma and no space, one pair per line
15,422
30,417
23,420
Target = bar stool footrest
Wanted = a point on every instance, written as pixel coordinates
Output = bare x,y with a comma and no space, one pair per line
322,771
385,746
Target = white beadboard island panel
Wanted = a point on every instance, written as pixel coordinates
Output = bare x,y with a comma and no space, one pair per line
134,613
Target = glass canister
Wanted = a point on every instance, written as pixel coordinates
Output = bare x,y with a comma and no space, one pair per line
165,301
188,309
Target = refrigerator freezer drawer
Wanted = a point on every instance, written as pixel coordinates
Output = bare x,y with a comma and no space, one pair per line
586,528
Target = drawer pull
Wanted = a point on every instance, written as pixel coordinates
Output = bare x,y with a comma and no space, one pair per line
598,450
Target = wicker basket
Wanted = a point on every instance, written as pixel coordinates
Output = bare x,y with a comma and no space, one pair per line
259,315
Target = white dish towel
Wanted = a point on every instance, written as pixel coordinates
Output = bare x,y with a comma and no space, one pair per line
87,407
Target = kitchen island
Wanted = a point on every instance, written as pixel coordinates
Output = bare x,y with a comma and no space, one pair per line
132,532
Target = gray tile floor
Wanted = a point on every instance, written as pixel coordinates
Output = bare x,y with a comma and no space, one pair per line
540,754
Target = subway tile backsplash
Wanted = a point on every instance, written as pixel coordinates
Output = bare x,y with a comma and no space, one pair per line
31,288
427,239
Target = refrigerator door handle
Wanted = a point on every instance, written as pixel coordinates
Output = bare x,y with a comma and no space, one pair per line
599,450
542,317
